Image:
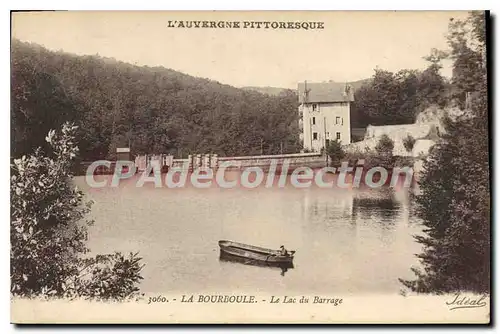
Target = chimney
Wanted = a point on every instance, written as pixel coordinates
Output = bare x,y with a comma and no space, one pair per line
348,91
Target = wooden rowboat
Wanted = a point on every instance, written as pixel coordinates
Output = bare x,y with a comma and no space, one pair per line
284,266
254,252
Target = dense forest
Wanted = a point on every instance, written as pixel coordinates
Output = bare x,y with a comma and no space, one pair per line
390,98
152,109
159,110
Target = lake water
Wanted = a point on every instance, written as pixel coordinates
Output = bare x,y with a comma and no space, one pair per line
346,240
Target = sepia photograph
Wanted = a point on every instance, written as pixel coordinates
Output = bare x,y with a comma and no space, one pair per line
250,167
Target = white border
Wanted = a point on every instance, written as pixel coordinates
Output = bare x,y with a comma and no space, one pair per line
198,5
254,5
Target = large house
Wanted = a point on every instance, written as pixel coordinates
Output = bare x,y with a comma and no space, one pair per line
325,113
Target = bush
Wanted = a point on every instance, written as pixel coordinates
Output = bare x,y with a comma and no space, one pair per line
383,149
49,231
385,145
409,143
404,161
335,151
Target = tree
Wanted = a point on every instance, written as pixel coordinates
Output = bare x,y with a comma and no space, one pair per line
378,101
432,86
335,151
454,203
384,156
39,103
385,145
155,110
49,230
409,142
408,95
467,41
397,98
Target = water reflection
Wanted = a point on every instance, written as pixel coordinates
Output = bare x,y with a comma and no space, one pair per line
375,205
347,240
353,211
329,208
236,259
382,207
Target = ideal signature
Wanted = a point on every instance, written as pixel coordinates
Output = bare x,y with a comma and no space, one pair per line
461,301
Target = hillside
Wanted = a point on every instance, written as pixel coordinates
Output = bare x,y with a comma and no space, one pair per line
276,91
359,83
155,109
273,91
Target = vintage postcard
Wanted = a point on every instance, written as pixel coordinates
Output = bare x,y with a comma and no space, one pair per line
250,167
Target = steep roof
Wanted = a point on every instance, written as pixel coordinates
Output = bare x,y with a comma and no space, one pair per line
325,92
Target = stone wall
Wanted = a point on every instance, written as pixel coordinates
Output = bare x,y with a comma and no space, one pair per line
425,131
312,160
396,132
263,161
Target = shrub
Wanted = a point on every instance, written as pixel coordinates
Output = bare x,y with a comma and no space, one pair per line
335,151
385,145
409,143
404,161
49,231
383,149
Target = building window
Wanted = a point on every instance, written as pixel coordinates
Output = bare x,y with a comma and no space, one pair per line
338,135
315,107
315,136
337,120
327,135
314,120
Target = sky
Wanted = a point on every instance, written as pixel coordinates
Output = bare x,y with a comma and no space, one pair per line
349,48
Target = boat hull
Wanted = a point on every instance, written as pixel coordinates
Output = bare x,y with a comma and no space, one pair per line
255,253
225,257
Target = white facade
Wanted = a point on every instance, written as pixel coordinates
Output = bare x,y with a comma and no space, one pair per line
325,120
